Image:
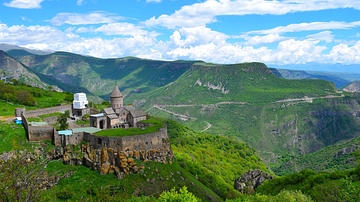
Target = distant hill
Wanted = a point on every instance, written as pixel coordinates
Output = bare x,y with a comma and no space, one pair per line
339,79
8,47
335,68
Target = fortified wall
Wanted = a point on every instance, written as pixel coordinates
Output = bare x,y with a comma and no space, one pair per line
37,133
39,112
129,143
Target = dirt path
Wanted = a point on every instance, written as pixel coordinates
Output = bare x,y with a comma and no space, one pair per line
310,99
6,118
181,116
207,127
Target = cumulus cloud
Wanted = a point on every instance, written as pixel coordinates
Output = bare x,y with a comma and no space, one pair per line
343,53
196,36
20,34
82,19
24,4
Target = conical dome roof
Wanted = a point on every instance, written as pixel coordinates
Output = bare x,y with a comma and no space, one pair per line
116,92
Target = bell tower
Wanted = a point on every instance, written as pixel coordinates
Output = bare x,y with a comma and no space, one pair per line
116,98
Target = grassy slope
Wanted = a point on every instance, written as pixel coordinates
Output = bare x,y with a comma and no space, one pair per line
44,99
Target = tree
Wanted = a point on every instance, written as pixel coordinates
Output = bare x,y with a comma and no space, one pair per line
22,177
24,97
174,195
62,120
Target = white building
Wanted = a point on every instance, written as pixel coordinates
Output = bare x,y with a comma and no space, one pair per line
80,101
80,105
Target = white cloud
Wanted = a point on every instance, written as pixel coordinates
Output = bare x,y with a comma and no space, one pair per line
206,12
196,36
323,36
22,35
312,26
266,39
82,19
343,53
121,29
24,4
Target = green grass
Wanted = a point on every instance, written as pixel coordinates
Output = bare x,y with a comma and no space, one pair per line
13,137
154,126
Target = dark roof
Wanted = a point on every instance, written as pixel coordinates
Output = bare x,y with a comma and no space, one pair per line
116,92
138,113
108,111
126,108
112,116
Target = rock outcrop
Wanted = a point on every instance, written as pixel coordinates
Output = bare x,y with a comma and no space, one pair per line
109,160
251,180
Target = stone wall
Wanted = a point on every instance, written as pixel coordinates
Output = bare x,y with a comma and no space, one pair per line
129,143
63,140
39,112
37,133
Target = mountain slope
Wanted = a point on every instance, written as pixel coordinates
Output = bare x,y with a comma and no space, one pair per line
353,87
98,76
277,116
15,70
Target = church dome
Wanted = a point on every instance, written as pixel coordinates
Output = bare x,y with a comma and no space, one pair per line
115,93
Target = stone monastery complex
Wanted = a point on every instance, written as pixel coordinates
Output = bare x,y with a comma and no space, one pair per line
107,154
115,116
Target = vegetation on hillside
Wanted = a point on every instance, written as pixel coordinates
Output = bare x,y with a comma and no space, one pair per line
323,186
216,160
31,96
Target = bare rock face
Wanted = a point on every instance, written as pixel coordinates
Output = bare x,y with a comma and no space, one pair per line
251,180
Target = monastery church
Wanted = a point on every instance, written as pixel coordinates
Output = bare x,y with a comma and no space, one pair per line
116,116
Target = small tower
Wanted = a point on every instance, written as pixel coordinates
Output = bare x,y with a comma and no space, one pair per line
116,98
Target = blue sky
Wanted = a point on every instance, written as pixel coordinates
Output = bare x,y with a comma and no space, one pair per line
276,32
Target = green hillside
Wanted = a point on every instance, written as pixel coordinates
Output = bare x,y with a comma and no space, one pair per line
98,76
204,163
281,118
278,117
339,156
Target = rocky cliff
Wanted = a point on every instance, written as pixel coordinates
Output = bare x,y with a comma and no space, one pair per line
108,160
